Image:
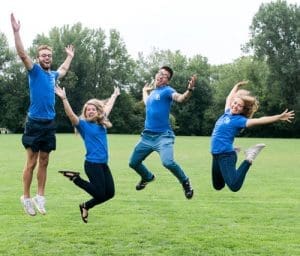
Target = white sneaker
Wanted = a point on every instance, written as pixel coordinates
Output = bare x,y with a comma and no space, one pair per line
252,152
39,203
28,207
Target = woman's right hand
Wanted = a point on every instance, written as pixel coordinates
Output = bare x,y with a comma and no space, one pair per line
60,92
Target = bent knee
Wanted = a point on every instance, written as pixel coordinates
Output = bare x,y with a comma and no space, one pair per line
132,164
168,164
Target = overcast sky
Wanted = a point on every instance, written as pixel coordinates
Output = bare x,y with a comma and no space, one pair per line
216,29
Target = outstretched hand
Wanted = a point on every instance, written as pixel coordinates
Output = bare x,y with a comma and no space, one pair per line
147,88
287,115
14,23
60,92
191,83
70,50
116,91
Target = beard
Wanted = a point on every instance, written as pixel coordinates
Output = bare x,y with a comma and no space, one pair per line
45,66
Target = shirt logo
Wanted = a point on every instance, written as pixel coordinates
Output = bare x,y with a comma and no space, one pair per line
226,120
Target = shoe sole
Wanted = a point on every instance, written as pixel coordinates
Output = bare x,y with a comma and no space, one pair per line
43,212
146,183
259,147
84,218
189,196
66,171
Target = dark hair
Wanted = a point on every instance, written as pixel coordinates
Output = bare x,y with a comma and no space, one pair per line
169,70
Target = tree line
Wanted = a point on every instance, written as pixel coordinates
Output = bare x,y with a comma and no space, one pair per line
271,64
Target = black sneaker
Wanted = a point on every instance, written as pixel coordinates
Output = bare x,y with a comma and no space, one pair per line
142,184
188,190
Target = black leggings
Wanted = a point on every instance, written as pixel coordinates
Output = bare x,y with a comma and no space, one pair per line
100,186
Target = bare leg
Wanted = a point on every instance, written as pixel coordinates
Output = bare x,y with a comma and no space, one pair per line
28,171
42,172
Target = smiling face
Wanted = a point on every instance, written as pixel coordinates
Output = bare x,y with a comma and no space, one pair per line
90,111
45,59
93,111
162,77
237,106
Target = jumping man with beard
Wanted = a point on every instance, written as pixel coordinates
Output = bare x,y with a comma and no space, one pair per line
39,135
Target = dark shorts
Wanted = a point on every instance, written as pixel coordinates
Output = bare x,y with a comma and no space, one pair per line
39,135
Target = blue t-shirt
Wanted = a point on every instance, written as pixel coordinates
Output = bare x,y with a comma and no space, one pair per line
95,140
158,108
42,95
226,128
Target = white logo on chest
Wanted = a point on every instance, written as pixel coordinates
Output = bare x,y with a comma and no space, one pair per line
226,120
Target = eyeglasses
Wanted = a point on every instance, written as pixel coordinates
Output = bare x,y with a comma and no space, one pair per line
162,74
46,55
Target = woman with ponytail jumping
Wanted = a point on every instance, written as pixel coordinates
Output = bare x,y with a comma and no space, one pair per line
92,125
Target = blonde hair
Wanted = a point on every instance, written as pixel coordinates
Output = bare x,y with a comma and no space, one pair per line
101,117
43,47
242,92
251,104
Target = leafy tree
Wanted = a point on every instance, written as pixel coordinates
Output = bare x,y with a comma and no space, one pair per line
5,53
10,91
275,38
15,99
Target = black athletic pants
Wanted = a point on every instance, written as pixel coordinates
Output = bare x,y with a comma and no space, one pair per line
100,186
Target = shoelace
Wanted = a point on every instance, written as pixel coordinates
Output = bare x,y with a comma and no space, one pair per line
252,153
27,204
187,186
41,202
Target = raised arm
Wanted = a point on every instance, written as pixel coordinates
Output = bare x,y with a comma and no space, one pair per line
233,93
111,101
146,91
181,97
28,63
284,116
63,69
61,93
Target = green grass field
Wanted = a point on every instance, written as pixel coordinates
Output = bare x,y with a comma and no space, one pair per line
263,218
